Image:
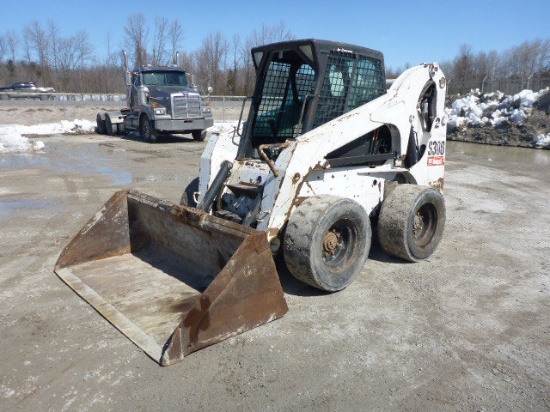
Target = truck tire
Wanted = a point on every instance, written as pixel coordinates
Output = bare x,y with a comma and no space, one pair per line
187,198
100,124
147,130
110,128
327,242
411,222
199,135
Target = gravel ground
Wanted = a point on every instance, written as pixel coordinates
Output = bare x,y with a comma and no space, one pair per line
468,329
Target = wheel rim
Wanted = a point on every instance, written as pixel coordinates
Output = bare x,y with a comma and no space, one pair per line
424,225
340,245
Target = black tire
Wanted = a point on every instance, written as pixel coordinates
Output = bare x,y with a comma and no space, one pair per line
110,129
327,242
199,135
187,198
411,222
100,124
147,130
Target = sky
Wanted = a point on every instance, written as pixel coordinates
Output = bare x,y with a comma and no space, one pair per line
408,32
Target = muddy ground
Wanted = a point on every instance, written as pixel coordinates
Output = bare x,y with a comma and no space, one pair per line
468,329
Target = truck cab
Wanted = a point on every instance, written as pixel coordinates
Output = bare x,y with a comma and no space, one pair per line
160,101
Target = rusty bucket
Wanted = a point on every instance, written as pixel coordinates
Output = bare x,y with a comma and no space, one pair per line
173,279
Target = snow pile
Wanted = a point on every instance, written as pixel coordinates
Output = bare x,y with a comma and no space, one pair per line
64,127
11,141
543,139
495,109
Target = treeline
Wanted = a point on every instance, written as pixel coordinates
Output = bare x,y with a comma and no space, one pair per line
523,66
72,64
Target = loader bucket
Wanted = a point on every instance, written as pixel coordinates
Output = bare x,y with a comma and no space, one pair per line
173,279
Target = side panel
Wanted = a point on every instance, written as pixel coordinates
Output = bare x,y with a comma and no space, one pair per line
351,183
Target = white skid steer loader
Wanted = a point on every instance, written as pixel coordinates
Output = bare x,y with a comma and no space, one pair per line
327,152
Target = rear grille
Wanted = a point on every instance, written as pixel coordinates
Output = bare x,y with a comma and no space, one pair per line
186,105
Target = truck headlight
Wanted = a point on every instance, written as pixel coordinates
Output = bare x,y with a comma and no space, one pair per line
160,110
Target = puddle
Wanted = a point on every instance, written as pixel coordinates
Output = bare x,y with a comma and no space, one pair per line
67,159
10,206
120,178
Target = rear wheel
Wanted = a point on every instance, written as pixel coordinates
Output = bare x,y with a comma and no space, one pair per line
100,123
147,130
199,135
188,196
327,242
110,128
411,222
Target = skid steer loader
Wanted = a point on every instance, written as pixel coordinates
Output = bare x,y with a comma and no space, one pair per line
328,152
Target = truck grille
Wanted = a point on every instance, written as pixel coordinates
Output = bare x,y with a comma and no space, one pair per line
186,105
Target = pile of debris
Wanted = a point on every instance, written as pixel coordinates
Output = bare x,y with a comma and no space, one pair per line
495,118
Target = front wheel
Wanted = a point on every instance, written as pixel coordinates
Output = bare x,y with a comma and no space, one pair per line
147,130
327,242
411,222
199,135
188,196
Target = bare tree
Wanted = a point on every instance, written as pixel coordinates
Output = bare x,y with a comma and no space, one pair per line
53,33
136,33
38,41
233,75
12,43
74,55
175,37
3,48
211,61
270,34
463,66
160,39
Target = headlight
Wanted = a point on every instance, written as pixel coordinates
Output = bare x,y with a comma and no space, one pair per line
160,110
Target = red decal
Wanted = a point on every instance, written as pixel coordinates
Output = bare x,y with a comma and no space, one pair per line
436,160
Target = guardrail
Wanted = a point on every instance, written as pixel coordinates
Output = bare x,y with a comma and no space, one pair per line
100,97
63,97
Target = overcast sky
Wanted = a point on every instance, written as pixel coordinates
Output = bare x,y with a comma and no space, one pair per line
406,31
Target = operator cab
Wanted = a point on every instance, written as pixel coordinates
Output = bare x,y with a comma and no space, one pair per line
303,84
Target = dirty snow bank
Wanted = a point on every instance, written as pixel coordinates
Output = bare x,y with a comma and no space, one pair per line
522,113
12,141
12,136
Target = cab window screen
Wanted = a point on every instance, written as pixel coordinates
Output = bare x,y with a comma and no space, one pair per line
350,81
285,87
